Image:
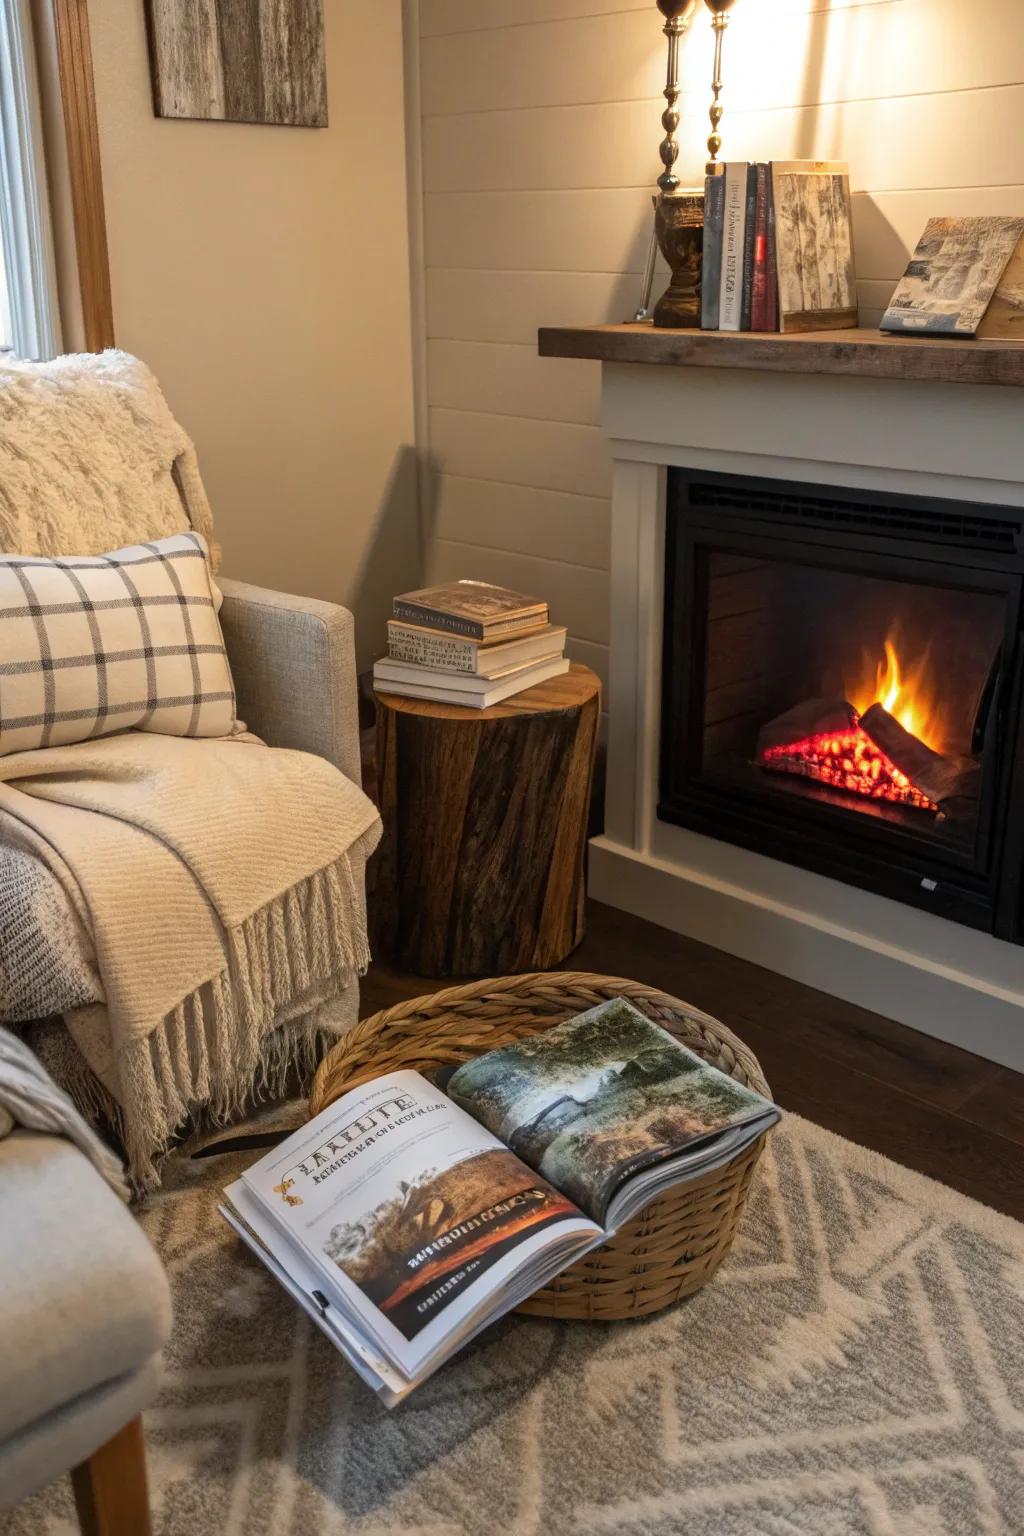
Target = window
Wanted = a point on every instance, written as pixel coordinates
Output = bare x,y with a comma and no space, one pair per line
29,319
5,310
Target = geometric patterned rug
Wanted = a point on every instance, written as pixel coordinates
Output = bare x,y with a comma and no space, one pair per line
855,1369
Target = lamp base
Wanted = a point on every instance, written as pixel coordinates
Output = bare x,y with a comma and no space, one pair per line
679,224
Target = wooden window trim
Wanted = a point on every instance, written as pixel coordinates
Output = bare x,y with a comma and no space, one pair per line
78,94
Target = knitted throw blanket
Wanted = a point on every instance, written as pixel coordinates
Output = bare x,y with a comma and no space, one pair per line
214,881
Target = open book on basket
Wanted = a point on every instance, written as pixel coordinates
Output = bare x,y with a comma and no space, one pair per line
408,1216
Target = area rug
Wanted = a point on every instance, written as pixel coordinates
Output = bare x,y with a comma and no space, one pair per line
856,1369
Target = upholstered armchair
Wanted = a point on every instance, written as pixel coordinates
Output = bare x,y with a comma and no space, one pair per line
91,460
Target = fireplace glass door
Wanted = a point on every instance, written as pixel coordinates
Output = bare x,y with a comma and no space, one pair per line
858,692
842,702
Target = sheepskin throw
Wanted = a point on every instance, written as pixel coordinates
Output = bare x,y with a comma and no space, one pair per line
91,459
215,882
93,644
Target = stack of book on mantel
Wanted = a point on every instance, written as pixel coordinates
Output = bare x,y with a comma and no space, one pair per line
470,643
778,247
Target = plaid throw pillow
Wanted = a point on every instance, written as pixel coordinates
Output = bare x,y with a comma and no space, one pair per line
94,644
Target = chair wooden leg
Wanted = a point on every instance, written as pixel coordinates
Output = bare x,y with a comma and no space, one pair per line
110,1488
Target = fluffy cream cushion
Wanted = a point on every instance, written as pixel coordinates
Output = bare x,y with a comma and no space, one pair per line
90,645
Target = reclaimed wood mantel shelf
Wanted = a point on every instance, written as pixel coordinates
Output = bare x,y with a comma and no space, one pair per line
859,353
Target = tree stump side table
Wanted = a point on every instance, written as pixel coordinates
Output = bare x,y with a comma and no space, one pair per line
480,868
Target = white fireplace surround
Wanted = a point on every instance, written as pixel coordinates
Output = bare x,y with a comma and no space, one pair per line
959,441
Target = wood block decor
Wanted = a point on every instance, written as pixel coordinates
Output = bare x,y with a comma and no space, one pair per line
480,867
239,61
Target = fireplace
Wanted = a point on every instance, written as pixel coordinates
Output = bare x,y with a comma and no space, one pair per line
842,687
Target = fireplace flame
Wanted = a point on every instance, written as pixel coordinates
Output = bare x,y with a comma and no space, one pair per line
906,693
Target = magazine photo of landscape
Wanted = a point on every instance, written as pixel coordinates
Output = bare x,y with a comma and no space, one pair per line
595,1099
953,274
416,1253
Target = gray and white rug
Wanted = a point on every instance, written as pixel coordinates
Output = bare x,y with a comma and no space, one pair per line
856,1369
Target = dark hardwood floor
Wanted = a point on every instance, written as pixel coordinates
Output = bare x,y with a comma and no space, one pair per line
928,1105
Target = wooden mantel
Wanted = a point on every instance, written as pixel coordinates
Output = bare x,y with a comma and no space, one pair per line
860,353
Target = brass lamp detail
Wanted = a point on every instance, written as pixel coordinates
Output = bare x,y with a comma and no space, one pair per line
719,20
677,15
678,214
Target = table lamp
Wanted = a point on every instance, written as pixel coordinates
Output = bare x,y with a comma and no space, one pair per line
719,20
678,212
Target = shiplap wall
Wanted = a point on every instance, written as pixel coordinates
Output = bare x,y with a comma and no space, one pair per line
540,127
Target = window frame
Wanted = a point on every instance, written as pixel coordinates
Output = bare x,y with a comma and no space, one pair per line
78,97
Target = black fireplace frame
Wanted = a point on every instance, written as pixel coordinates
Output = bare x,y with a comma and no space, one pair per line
975,546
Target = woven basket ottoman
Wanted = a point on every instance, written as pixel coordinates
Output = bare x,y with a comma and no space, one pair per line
675,1244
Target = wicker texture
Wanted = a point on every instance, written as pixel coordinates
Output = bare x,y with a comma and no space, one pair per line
676,1244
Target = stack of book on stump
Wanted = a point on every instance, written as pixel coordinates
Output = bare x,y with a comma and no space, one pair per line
470,643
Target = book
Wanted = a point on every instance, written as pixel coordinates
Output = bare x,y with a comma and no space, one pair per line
764,297
734,212
476,609
473,693
711,260
413,643
817,280
1004,318
773,259
953,275
386,672
748,248
411,1214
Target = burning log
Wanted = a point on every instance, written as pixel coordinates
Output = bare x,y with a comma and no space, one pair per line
940,778
806,721
870,754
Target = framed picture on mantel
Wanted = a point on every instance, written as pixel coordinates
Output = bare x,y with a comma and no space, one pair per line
239,61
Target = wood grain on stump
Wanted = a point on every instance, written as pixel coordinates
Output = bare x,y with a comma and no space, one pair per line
480,868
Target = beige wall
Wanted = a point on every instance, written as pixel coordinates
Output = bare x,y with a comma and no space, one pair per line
540,136
263,274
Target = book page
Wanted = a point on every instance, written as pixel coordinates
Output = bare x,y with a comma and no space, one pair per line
408,1207
594,1101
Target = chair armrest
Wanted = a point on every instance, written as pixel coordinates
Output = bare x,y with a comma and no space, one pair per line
294,665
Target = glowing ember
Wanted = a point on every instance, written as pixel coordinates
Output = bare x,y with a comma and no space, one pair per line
849,760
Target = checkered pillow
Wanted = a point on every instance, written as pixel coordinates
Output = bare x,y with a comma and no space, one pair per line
95,644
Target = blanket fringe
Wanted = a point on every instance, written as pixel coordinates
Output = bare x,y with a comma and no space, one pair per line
223,1048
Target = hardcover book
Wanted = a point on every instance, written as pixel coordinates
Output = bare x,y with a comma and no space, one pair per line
817,281
748,249
730,312
764,299
457,688
410,1214
711,262
953,275
414,644
476,609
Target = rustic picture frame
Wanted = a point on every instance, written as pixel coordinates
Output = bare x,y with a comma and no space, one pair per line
239,61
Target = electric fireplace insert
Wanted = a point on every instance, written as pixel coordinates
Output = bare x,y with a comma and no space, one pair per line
843,687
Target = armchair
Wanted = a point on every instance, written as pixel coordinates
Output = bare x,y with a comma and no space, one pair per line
91,459
85,1312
